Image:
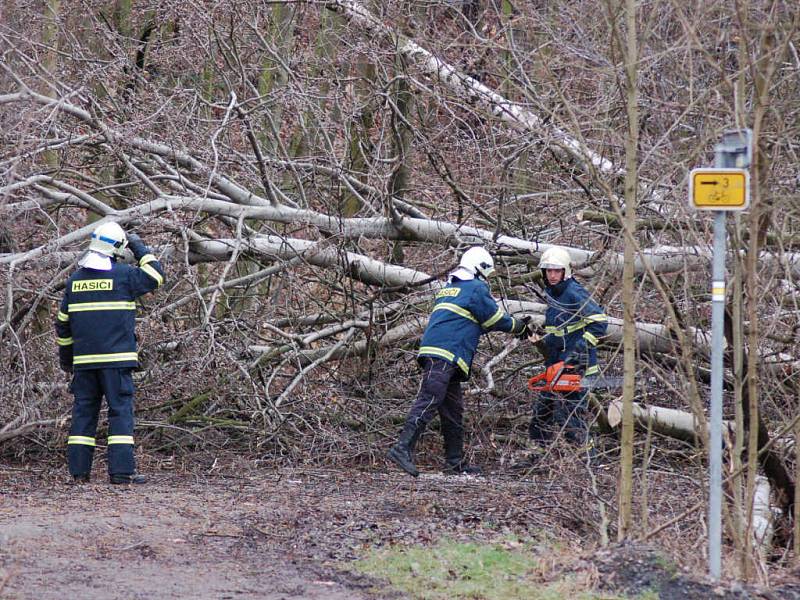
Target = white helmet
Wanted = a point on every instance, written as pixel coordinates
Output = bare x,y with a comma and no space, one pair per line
108,239
477,261
556,258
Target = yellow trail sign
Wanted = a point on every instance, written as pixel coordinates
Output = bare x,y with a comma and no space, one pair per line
719,189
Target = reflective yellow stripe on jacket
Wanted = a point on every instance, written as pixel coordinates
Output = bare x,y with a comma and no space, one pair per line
445,354
87,359
462,312
598,318
144,266
573,327
493,319
111,305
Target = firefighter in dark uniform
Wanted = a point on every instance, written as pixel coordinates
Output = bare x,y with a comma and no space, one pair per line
574,324
96,340
463,310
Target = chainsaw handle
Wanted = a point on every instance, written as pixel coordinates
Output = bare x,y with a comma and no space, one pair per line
556,378
536,379
549,377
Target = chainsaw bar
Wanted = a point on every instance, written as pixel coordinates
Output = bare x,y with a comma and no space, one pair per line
601,382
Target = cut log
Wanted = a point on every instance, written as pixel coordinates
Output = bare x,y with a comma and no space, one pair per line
677,424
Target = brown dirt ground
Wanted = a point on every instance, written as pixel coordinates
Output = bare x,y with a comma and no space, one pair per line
234,531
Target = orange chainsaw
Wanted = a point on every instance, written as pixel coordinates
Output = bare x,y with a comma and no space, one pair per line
562,377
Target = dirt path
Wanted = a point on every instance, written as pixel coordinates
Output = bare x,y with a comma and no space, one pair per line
235,532
179,537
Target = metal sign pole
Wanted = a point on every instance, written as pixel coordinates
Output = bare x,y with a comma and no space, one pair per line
715,436
723,188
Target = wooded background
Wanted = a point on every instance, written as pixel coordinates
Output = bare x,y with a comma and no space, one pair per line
308,172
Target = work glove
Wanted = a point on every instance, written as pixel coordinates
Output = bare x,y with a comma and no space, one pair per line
578,356
137,246
523,329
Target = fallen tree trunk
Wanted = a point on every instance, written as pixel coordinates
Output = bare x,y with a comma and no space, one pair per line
677,424
660,259
681,425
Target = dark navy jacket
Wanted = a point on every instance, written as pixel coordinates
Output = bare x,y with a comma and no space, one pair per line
573,324
97,318
462,311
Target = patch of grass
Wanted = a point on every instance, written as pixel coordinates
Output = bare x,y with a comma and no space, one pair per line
666,564
470,570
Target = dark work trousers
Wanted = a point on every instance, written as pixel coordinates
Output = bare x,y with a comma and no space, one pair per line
553,412
440,391
89,387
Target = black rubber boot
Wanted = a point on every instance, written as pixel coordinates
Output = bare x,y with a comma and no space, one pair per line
80,478
454,452
118,479
402,453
